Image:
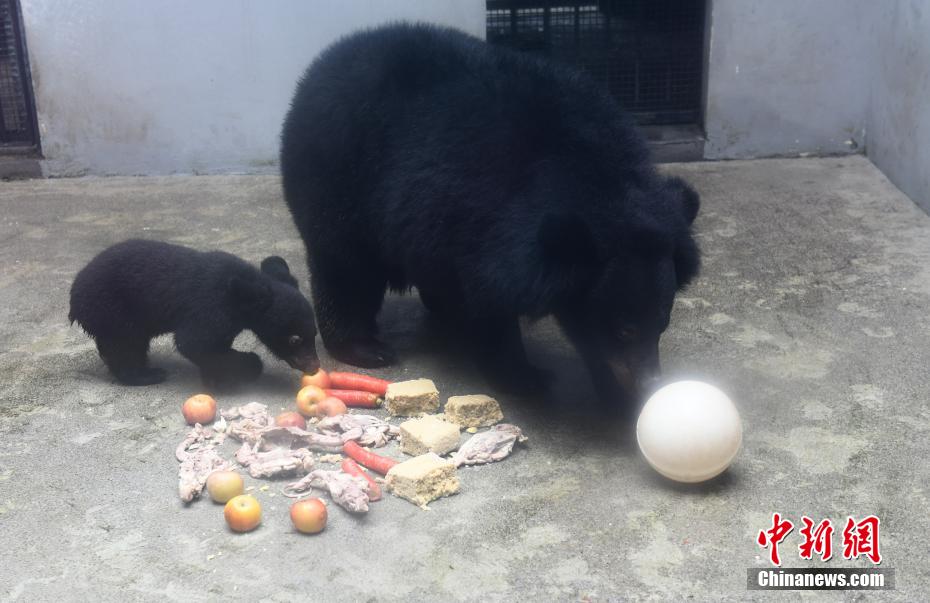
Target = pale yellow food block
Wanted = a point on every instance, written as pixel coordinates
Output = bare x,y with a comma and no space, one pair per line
423,479
428,434
407,398
473,411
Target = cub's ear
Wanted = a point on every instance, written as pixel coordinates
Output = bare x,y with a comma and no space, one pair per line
275,267
251,296
687,196
567,241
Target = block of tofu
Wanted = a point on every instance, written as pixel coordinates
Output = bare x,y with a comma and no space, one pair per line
428,434
407,398
423,479
473,411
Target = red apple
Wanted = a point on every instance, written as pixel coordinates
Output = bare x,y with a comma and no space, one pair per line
307,399
319,379
199,409
243,513
290,419
309,515
224,485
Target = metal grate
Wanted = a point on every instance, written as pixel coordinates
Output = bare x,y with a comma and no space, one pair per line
648,53
17,121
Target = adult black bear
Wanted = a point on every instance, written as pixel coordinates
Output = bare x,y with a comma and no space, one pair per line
139,289
498,185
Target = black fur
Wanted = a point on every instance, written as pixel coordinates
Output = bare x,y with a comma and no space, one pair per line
498,185
138,289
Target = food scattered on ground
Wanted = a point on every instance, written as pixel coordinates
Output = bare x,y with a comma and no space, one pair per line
309,515
354,469
355,398
243,513
290,419
488,446
423,479
473,411
199,458
275,462
428,434
324,430
347,491
367,458
355,381
367,430
199,409
307,399
224,485
319,379
410,398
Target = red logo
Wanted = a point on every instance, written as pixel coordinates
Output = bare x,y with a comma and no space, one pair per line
774,535
816,540
859,538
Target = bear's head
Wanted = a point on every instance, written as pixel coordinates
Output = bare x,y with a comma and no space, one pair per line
279,315
620,276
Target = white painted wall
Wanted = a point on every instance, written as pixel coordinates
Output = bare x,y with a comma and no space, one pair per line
187,86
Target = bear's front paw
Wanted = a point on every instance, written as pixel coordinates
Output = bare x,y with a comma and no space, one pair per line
369,353
522,380
143,376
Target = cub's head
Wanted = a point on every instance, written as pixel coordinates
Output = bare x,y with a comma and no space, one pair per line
279,314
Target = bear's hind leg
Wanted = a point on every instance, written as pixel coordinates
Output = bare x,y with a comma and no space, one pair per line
127,358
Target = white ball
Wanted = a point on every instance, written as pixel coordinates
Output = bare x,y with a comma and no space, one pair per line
689,431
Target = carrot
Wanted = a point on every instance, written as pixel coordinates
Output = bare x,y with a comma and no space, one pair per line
367,458
351,467
358,382
353,397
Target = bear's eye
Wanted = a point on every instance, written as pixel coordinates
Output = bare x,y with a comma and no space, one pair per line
295,340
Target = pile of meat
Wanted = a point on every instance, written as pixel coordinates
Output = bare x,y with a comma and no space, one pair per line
270,451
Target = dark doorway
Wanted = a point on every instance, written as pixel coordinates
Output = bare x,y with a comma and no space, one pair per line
18,131
648,53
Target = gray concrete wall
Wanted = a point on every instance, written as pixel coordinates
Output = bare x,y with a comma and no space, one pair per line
787,77
181,86
899,109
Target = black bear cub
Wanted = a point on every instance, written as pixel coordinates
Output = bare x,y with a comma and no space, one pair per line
139,289
500,186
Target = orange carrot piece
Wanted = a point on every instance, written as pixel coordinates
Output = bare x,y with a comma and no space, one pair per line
358,382
352,468
355,398
367,458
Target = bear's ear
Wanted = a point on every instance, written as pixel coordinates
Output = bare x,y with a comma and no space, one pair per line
275,267
251,296
567,241
687,196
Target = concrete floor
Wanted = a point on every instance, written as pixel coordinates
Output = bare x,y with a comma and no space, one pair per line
811,312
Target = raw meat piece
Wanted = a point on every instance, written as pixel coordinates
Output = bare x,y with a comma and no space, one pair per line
350,493
275,462
367,430
247,421
295,437
199,458
488,446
